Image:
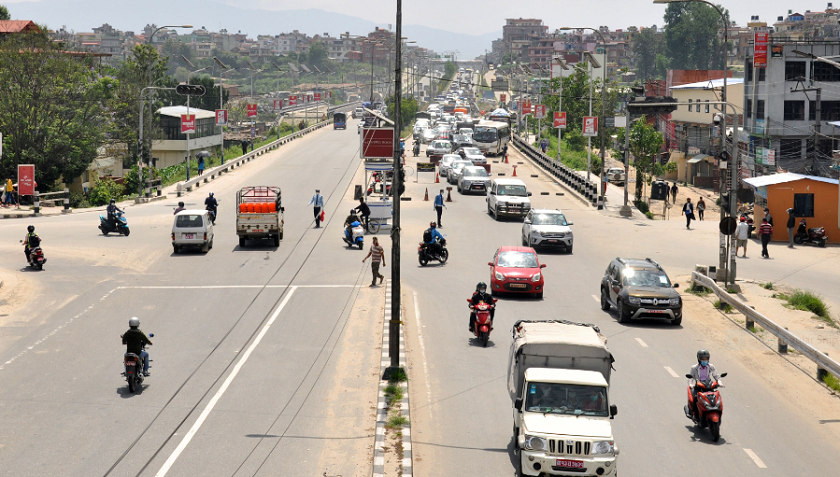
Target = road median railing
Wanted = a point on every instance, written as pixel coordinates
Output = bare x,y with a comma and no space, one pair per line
39,197
785,338
209,175
567,175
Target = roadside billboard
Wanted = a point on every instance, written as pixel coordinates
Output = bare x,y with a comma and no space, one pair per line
221,117
187,123
590,126
26,179
377,143
560,120
252,110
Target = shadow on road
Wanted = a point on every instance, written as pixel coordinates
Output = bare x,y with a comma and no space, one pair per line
703,435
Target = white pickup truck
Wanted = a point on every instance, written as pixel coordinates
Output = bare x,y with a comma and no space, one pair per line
259,214
558,381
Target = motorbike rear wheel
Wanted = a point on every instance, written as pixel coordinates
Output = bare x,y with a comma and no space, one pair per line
714,428
797,239
423,260
131,385
40,266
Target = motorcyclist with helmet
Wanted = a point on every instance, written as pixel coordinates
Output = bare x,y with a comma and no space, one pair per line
31,241
179,208
364,211
212,205
701,372
433,239
348,228
112,213
481,295
135,339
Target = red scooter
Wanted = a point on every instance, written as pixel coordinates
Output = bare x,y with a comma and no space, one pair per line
483,325
709,406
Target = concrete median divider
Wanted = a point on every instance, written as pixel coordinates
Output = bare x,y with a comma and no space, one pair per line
569,177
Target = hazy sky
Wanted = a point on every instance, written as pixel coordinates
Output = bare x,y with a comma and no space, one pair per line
484,16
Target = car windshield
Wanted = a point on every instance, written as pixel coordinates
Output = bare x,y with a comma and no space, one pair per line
475,172
485,134
645,278
517,260
548,219
188,221
440,145
449,159
514,190
472,151
457,165
567,399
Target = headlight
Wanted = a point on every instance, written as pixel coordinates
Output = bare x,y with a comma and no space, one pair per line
536,278
499,276
602,447
634,300
675,302
535,443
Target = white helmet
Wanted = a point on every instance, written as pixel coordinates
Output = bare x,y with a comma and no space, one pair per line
134,322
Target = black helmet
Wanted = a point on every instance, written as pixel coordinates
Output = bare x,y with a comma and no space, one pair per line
113,201
31,228
702,354
211,194
180,204
480,286
352,211
432,224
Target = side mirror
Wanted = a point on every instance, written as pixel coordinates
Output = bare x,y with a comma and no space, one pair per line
542,265
151,335
490,263
723,375
518,403
688,376
527,222
529,194
282,209
676,285
613,410
492,193
570,224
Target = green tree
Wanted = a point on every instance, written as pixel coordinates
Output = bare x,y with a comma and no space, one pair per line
449,69
647,45
4,13
645,144
174,48
691,36
409,109
52,108
318,54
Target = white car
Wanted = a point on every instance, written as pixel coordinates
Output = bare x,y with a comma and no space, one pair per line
439,148
446,163
547,228
473,179
473,154
508,197
616,175
192,229
455,170
428,135
358,113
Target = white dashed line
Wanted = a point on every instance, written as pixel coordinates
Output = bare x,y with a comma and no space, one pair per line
755,459
642,343
671,372
210,405
422,352
595,297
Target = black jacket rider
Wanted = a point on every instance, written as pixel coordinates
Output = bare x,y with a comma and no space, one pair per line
211,202
477,298
112,214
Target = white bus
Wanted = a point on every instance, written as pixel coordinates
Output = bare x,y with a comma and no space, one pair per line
491,136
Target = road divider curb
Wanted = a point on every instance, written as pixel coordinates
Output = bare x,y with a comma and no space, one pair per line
569,178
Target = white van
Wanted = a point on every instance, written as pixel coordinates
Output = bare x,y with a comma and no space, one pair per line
508,197
192,228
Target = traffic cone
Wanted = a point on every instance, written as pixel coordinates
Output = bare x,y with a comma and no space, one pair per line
437,178
426,197
514,171
449,194
506,158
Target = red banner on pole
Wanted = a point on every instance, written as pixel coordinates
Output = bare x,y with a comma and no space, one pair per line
292,100
187,123
539,111
760,50
377,143
252,110
526,107
560,120
317,96
278,104
26,179
590,126
502,97
221,117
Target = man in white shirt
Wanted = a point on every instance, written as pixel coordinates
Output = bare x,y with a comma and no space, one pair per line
742,233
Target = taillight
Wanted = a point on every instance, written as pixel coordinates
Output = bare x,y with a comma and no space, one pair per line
205,235
173,236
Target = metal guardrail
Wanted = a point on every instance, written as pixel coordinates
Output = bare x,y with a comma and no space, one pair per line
565,174
37,197
211,174
786,338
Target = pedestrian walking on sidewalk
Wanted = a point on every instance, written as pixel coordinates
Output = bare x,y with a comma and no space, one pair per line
701,208
674,193
9,199
200,165
766,231
667,191
688,211
742,234
439,205
318,202
377,256
244,144
791,224
543,145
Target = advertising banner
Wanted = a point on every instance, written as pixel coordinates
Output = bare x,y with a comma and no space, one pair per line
292,100
590,126
252,110
526,107
187,123
221,117
278,104
26,179
502,97
760,50
539,111
378,143
560,120
317,96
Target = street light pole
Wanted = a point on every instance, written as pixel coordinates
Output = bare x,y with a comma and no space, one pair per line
396,288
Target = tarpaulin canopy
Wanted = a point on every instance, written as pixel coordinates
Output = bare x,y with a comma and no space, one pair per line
500,112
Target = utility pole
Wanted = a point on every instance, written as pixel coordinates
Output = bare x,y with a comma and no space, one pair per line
396,288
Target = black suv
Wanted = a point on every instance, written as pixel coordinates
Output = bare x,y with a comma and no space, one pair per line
640,289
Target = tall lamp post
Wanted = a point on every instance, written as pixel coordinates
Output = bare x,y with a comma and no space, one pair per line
726,265
601,126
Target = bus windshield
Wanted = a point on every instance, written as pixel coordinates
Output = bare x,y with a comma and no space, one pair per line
485,134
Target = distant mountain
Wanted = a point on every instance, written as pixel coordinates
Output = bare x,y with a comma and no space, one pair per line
84,15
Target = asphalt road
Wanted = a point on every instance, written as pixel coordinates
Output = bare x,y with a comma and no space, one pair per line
461,413
255,349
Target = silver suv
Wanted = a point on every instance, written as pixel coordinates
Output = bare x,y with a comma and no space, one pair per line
547,228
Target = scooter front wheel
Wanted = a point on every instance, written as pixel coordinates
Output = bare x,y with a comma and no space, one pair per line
714,428
797,239
485,337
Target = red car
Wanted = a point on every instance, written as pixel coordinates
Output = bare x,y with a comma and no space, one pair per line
516,270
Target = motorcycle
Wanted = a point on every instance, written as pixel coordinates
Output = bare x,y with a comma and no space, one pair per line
358,237
416,150
709,405
815,235
425,254
134,369
483,324
212,214
121,224
36,257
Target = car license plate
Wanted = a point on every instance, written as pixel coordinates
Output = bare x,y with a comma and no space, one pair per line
189,236
569,464
517,285
479,186
656,311
553,241
257,230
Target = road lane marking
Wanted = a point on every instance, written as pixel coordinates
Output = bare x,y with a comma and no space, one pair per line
671,372
210,405
644,345
755,459
219,287
423,352
595,297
